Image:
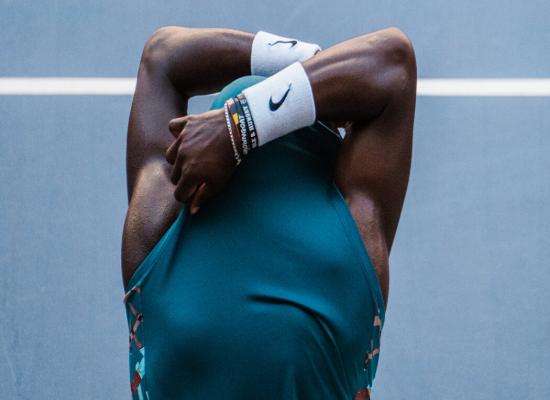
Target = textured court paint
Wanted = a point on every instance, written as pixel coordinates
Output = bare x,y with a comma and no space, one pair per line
467,38
467,314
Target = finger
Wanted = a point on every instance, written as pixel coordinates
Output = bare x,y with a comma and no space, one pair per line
177,169
204,192
198,197
172,151
176,125
185,189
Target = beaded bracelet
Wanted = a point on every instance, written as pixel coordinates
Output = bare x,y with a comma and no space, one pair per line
235,111
228,121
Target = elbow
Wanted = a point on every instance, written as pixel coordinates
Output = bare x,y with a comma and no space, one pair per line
397,48
158,50
386,49
394,58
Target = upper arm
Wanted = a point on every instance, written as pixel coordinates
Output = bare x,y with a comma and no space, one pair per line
154,104
172,69
178,63
375,157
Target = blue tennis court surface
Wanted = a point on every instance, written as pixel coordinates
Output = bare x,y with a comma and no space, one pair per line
467,316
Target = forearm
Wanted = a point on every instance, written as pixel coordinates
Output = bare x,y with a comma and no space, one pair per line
351,81
199,60
203,60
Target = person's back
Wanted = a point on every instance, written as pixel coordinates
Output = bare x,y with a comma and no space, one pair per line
269,291
274,318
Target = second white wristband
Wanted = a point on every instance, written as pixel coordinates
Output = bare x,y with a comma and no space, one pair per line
281,103
271,53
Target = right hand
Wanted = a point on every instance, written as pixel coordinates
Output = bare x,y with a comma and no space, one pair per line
202,157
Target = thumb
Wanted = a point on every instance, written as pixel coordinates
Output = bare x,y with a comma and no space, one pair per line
203,193
176,125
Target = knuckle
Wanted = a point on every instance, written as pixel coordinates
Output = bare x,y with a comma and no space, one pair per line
181,149
176,124
185,175
173,124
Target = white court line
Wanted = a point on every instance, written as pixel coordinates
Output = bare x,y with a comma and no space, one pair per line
67,86
125,87
483,87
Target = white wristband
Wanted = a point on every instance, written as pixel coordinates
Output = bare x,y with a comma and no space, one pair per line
281,103
271,53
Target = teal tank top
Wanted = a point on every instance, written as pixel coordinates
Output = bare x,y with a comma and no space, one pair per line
267,293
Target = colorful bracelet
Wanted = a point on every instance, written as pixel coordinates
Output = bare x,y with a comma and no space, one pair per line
241,121
251,127
237,114
228,121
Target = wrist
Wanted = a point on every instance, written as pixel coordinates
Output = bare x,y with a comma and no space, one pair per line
269,109
238,143
235,144
271,53
281,103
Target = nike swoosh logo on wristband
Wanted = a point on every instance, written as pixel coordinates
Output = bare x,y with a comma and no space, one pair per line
291,42
274,106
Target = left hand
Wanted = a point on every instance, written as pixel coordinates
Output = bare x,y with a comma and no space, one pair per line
202,157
